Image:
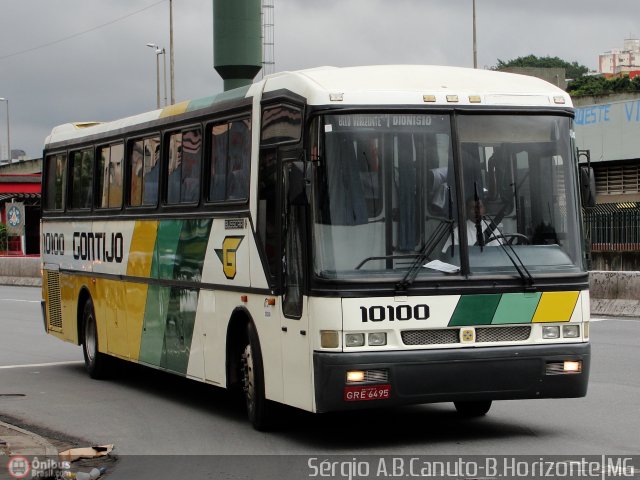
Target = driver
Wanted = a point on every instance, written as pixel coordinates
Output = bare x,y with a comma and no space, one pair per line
475,212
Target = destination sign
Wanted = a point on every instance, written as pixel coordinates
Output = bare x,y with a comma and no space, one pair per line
385,121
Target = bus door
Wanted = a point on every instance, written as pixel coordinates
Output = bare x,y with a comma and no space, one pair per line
294,320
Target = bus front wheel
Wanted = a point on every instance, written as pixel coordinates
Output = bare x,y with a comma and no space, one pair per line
94,362
473,409
258,407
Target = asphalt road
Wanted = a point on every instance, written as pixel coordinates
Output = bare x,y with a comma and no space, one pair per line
145,412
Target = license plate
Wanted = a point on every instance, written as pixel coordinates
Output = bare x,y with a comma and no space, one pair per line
360,393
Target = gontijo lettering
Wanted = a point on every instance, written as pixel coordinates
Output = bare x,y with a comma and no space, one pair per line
106,247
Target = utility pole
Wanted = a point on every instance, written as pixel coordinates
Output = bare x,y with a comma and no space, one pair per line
171,70
475,44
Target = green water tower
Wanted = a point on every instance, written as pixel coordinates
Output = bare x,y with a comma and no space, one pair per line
237,41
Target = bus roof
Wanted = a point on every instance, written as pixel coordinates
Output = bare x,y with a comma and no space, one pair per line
363,85
418,84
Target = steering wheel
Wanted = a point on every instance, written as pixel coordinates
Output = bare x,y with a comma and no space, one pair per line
510,238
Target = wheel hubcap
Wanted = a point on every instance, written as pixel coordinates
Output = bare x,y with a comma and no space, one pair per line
90,339
248,377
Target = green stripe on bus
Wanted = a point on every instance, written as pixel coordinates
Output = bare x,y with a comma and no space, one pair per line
178,331
191,249
155,320
475,310
170,313
516,308
167,240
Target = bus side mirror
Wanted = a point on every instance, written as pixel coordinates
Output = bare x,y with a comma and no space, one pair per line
587,186
296,183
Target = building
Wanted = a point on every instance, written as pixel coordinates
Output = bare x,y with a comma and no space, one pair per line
621,60
608,128
20,182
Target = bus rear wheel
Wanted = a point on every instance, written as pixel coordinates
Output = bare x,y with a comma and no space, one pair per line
95,363
473,409
258,407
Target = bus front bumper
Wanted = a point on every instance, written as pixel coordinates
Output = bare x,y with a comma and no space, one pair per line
445,375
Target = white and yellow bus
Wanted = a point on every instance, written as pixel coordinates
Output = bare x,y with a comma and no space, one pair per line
298,239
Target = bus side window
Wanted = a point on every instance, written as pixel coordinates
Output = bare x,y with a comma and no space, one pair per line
81,176
218,172
230,160
281,124
268,210
151,170
239,158
143,171
55,181
185,158
136,172
109,172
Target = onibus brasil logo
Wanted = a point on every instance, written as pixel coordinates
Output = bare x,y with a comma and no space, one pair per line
19,467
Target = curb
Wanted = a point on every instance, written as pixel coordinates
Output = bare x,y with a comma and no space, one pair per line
21,442
615,308
21,281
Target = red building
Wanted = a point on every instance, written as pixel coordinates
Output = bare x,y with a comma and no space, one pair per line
23,188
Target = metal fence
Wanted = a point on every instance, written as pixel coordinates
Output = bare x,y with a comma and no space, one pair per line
613,227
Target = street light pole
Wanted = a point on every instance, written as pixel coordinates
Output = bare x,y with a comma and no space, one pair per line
156,48
9,159
475,45
171,70
164,64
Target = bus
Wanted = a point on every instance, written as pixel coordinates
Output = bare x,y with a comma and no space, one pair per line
297,240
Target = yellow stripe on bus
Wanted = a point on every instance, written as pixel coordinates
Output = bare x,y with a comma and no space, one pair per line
142,248
136,303
555,307
176,109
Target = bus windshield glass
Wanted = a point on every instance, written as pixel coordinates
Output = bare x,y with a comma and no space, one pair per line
385,197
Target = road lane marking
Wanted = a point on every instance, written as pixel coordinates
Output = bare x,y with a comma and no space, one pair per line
614,319
18,300
38,365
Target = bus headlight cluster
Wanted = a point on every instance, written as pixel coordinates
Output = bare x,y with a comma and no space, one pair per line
571,331
373,339
550,332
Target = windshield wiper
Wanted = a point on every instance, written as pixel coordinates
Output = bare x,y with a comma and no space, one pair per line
432,242
387,257
517,262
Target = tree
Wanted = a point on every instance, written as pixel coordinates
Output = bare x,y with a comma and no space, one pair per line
599,85
573,70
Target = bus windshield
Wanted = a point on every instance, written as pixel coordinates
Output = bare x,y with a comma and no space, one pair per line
385,195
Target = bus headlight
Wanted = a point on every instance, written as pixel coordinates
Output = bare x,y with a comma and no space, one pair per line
354,340
377,339
550,332
571,331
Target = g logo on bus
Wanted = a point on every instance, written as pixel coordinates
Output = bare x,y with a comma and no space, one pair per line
227,255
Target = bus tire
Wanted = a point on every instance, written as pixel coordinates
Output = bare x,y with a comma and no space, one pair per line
95,363
259,409
473,409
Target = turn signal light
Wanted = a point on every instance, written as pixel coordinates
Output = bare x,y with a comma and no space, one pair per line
329,339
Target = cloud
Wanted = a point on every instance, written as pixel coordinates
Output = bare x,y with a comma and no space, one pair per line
110,72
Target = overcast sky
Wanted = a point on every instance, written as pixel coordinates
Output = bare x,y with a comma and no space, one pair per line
110,73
